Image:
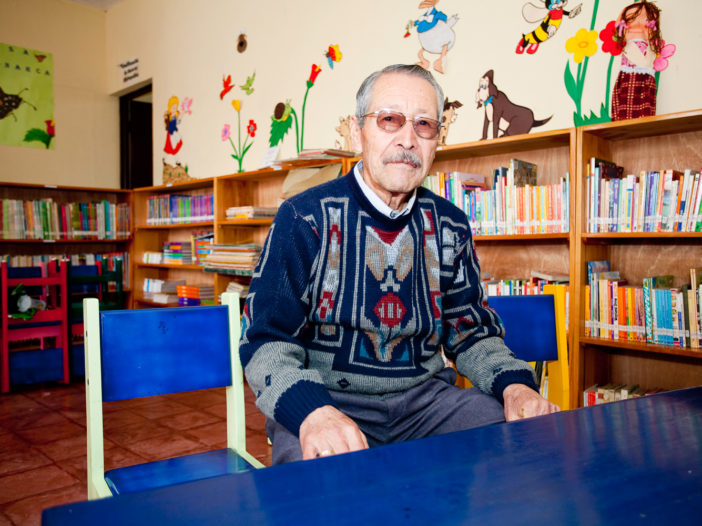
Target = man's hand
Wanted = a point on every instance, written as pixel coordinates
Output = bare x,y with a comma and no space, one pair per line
523,402
327,431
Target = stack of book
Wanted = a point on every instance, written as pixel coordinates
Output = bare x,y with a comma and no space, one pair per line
654,201
161,291
250,212
193,295
201,243
613,392
154,258
656,312
514,204
233,259
47,219
177,253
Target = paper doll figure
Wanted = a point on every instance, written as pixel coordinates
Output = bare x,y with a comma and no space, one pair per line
638,32
435,33
171,120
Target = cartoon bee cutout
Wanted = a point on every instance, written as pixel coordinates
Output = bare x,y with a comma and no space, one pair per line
550,16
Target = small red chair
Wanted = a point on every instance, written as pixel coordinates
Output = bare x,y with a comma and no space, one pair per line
49,283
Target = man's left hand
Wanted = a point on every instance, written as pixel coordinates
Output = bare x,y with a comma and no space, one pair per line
523,402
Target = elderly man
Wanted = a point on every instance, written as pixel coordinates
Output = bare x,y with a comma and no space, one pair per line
361,284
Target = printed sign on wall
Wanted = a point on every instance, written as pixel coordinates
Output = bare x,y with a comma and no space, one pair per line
26,97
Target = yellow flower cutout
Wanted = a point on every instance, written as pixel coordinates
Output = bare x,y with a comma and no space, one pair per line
237,104
583,44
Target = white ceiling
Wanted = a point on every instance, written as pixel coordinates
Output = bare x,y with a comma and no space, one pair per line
103,5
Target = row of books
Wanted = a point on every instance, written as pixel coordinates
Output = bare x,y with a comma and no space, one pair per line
107,259
192,252
655,201
513,205
655,312
613,392
49,220
238,259
250,212
173,209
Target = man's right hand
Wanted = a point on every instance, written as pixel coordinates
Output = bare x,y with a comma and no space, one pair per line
327,431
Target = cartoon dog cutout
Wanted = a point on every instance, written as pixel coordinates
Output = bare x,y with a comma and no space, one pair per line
505,116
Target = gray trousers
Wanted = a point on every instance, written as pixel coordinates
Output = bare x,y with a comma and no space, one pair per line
435,407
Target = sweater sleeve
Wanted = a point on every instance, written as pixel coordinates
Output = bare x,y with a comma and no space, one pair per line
275,314
473,332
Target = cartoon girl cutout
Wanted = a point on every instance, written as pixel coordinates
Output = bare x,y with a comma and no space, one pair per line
638,33
171,120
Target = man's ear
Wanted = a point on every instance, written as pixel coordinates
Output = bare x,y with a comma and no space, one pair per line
356,142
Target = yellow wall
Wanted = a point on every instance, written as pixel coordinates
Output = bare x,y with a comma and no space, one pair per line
86,148
185,48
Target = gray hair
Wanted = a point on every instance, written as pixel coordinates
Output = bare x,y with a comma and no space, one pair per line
363,96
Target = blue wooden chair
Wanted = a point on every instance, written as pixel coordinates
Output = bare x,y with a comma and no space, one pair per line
535,331
149,352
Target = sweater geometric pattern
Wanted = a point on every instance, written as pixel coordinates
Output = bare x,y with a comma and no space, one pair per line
347,299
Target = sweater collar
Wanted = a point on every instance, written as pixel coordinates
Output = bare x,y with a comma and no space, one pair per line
376,201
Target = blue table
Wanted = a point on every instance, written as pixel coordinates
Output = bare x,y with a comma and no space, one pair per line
629,462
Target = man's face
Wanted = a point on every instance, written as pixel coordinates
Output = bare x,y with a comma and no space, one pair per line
387,169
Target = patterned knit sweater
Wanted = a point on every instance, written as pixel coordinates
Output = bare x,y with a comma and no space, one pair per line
347,299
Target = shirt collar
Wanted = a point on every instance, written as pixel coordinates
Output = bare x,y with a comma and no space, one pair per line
376,201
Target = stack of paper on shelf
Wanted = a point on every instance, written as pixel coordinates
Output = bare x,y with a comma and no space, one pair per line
250,212
234,259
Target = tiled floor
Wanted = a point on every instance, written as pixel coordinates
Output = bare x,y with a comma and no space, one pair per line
42,441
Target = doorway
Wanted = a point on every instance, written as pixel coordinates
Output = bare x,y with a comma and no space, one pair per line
136,139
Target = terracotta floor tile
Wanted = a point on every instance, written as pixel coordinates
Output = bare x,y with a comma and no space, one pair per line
65,447
219,410
125,436
49,433
160,408
188,420
212,434
27,512
76,466
166,446
121,418
11,442
199,399
14,461
5,520
33,482
75,415
118,457
35,417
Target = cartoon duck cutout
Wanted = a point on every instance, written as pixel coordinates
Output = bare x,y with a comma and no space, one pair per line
435,32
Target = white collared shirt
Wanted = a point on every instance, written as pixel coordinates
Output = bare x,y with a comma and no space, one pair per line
376,201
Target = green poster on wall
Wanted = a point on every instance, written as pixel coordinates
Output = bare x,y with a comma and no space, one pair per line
26,97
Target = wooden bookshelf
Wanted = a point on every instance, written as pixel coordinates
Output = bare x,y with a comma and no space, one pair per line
12,246
652,143
255,188
151,238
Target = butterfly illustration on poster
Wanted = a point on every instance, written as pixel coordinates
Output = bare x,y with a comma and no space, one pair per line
435,32
284,115
172,118
549,16
634,37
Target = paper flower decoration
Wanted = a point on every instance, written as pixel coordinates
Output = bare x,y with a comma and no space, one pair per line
333,55
240,147
582,45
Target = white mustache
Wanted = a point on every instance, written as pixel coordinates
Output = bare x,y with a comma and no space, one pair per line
404,156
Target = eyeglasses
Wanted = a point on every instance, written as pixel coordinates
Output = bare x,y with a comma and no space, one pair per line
391,121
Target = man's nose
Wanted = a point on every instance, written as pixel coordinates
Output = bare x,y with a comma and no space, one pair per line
406,136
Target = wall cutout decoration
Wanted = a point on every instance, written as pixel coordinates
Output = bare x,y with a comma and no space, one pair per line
240,148
435,32
26,97
641,86
502,113
284,115
550,17
241,42
172,166
448,117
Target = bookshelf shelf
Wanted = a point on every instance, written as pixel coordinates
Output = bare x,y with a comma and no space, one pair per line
519,238
246,222
657,143
166,266
176,226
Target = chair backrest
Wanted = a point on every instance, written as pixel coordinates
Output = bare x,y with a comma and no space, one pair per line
530,325
95,281
148,352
